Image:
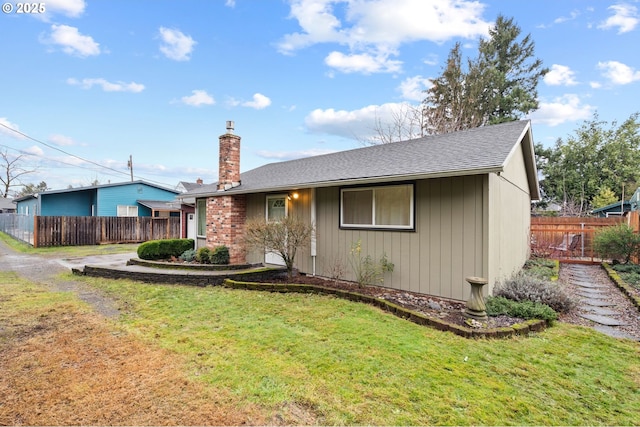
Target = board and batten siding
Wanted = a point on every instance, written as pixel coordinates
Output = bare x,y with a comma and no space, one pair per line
299,208
128,194
509,213
446,246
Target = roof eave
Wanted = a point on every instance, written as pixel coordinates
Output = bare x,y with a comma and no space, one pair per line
356,181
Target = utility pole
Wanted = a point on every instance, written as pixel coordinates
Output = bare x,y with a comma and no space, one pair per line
130,166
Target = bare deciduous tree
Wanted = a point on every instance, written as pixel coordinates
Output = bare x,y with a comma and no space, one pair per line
283,237
406,122
11,172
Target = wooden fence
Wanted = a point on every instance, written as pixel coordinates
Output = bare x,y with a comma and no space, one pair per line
96,230
571,238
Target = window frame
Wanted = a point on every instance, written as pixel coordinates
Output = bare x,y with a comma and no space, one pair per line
199,218
375,227
129,209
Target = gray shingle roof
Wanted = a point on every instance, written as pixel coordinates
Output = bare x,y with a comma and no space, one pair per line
479,150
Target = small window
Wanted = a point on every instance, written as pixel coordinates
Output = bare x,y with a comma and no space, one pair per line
124,210
202,217
386,207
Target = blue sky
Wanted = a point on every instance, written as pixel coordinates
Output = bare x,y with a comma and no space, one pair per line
91,83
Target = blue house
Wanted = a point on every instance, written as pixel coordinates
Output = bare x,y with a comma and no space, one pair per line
134,198
614,209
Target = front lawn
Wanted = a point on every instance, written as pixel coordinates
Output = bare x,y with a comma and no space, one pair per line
67,251
350,363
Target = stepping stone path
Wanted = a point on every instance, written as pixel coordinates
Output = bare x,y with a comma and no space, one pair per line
593,304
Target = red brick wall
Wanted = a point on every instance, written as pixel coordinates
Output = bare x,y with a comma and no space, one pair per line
226,216
229,162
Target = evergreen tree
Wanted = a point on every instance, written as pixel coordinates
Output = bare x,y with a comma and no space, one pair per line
499,86
576,170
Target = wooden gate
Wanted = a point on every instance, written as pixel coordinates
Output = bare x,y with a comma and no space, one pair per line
569,239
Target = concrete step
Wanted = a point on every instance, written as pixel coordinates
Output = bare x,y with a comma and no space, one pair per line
602,320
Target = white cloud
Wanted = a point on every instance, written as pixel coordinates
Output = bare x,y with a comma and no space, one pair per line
431,59
5,123
362,63
560,75
199,97
175,44
573,15
625,17
70,8
61,140
259,102
618,73
566,108
383,22
230,3
412,88
291,155
72,42
34,150
358,124
373,30
106,85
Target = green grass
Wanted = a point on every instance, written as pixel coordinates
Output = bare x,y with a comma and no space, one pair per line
67,251
351,363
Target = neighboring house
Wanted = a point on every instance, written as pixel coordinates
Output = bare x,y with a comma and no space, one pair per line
133,198
614,209
188,208
7,205
442,208
635,200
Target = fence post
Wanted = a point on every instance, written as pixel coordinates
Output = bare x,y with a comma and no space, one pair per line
35,231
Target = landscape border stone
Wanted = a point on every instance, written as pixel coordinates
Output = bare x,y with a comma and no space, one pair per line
520,329
621,284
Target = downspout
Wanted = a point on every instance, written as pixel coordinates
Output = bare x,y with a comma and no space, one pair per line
313,232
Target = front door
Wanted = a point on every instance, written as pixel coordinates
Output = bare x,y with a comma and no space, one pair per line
276,210
191,226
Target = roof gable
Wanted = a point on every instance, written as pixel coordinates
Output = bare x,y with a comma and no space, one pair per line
119,184
474,151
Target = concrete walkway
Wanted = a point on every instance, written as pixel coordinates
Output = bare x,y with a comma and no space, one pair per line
594,302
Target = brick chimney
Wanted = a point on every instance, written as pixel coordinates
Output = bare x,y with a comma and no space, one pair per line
227,213
229,163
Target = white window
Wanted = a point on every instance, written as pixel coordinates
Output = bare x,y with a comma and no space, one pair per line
385,207
124,210
201,215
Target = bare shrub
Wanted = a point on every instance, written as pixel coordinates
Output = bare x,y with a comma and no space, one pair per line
336,268
283,237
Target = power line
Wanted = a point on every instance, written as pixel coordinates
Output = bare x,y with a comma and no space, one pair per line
60,150
119,172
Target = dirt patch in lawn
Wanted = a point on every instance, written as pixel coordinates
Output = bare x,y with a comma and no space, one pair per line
72,368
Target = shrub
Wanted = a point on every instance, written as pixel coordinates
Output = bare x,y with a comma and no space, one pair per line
219,255
527,288
540,262
164,249
630,273
149,250
618,242
367,270
497,306
284,237
188,255
203,255
627,268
